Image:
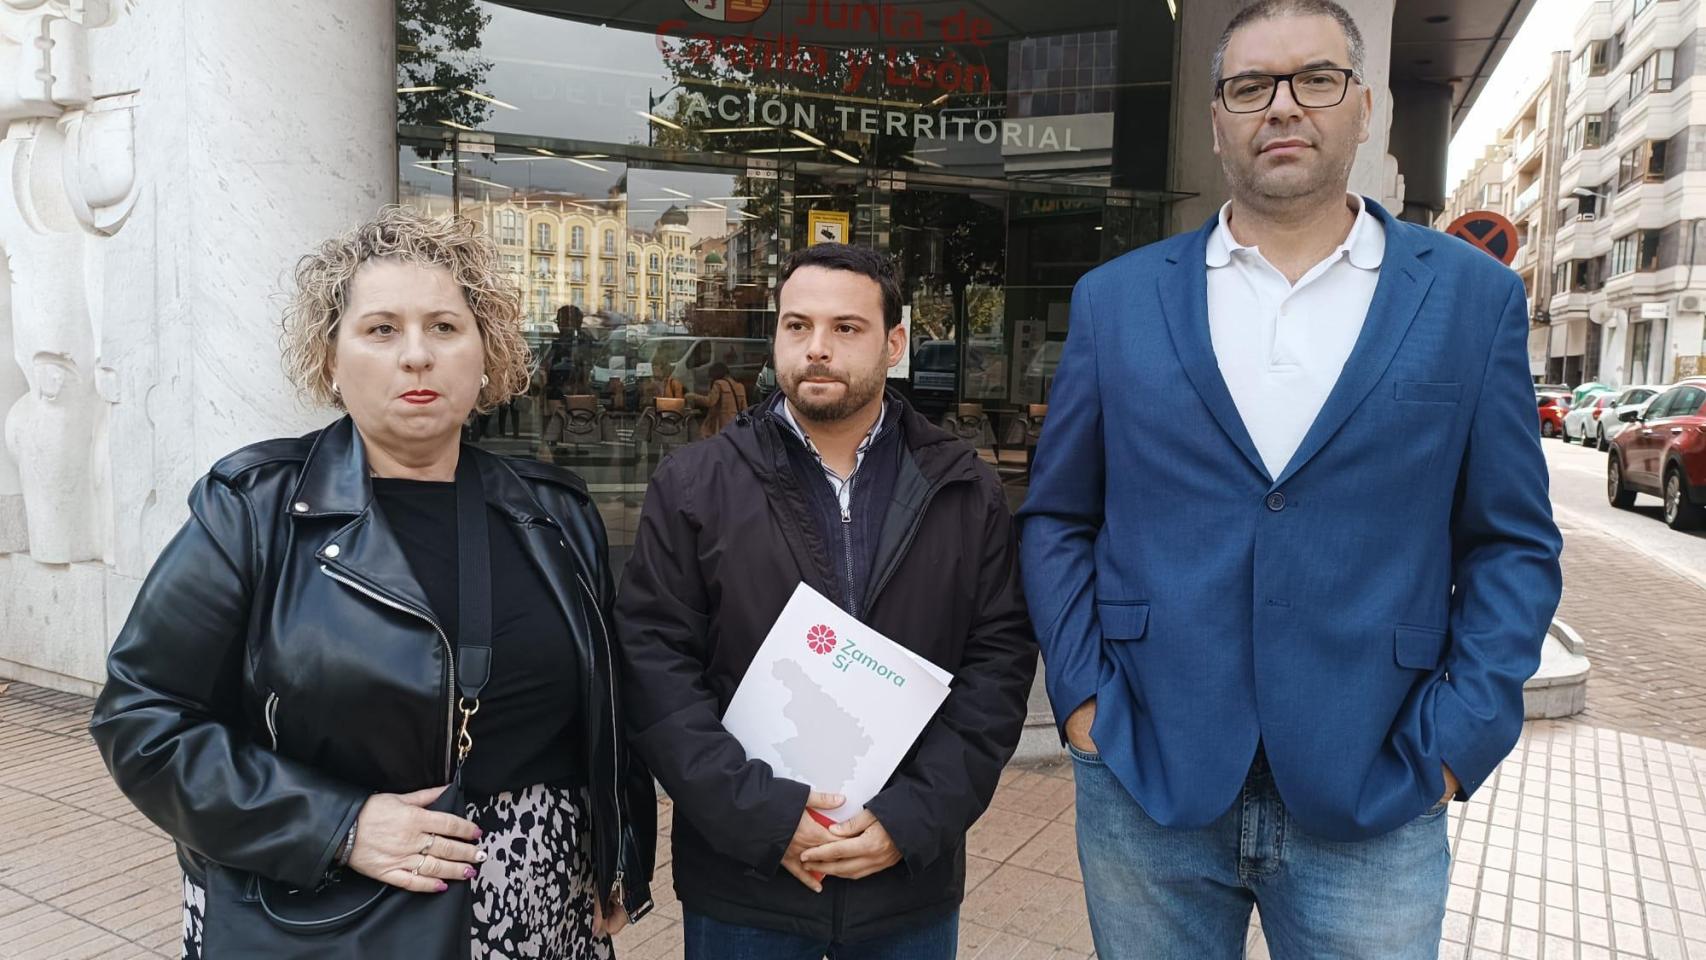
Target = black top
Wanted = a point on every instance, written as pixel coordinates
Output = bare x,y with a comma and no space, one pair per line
522,733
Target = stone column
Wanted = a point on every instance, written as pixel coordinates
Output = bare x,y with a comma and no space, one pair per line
1195,167
1419,141
271,128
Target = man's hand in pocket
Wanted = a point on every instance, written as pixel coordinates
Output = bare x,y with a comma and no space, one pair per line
1078,727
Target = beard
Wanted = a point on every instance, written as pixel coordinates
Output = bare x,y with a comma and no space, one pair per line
1330,172
861,387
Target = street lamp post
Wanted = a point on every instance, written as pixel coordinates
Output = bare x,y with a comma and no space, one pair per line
652,106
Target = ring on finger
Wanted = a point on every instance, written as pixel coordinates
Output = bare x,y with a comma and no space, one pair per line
421,865
426,847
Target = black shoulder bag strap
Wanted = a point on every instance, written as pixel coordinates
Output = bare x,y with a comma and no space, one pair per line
358,917
474,600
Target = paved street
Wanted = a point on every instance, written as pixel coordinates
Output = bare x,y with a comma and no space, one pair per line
1589,844
1578,496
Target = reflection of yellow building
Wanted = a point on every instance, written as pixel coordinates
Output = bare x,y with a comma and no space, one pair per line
566,249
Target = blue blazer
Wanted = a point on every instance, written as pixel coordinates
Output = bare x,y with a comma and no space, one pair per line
1366,616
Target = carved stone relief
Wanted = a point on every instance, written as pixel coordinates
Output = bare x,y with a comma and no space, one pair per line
68,168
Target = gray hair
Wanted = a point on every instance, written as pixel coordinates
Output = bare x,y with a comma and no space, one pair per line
1273,9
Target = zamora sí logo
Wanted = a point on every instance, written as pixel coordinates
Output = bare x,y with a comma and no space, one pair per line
820,639
850,655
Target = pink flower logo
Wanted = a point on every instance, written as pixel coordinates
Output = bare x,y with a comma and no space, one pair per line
821,639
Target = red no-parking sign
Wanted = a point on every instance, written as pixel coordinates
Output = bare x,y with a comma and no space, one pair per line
1487,231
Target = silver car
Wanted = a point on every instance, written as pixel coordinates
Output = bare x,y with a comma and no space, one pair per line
1611,423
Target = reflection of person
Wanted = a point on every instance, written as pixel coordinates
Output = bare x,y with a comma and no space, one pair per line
725,399
1278,651
839,484
277,700
566,359
662,383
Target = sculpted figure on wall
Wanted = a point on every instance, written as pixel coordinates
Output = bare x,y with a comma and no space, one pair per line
67,166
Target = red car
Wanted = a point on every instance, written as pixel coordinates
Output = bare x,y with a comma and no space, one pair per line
1663,453
1553,406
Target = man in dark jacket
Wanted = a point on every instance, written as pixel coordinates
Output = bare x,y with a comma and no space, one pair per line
840,484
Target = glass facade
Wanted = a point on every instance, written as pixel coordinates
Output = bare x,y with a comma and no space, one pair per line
646,166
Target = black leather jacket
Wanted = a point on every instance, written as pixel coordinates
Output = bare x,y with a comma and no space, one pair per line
281,664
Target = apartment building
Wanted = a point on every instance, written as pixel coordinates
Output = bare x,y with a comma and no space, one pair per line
1536,138
604,256
1625,305
1518,176
1482,187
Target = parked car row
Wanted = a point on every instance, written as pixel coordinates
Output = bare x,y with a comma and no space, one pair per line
1595,419
1661,452
1553,405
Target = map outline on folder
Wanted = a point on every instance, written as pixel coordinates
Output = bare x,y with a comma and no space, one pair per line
831,703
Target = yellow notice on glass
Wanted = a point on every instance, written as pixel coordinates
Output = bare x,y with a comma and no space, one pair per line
828,226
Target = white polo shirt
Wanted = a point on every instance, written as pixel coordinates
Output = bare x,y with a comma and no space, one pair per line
1281,347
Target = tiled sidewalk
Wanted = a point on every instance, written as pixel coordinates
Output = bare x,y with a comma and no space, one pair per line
1588,844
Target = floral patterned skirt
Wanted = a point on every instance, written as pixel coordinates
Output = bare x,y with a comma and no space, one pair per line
534,896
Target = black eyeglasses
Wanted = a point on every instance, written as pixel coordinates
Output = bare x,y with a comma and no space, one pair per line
1316,88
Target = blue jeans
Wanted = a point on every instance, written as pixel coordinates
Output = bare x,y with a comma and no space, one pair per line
1162,894
708,939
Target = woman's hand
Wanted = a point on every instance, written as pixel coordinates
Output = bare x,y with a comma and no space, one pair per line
612,920
399,842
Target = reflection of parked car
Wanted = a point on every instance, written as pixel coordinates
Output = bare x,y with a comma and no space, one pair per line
691,358
1663,453
1582,422
1629,398
1553,406
934,363
613,357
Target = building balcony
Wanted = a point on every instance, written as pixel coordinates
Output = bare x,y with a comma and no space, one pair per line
1574,303
1528,147
1582,240
544,246
1524,258
1525,200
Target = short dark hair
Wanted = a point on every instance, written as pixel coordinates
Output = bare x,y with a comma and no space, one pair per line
1273,9
861,260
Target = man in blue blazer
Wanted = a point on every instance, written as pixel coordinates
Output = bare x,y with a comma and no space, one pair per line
1288,544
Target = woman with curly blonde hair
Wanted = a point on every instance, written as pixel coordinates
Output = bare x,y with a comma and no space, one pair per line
373,665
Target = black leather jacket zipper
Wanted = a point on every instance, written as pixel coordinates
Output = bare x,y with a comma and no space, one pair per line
449,653
615,755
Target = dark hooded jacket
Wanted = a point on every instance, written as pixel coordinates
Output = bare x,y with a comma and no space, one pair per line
726,535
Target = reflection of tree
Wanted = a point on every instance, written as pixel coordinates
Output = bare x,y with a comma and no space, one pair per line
437,42
962,242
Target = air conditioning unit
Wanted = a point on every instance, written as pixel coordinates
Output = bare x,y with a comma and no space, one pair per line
1584,218
1691,303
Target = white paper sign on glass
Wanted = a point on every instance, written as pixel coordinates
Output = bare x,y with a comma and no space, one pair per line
832,703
